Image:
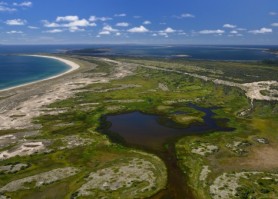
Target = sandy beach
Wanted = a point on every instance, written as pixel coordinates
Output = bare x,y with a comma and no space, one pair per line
73,66
20,104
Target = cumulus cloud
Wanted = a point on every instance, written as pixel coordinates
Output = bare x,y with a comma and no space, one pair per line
14,32
109,28
24,4
140,29
16,22
33,27
94,18
73,23
106,30
274,24
229,26
147,22
55,31
165,32
76,29
122,24
120,15
185,15
104,33
169,30
67,18
234,32
261,31
212,31
6,9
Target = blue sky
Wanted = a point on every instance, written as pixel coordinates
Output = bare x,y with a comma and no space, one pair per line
139,21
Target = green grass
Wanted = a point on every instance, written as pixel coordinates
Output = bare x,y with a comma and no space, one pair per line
148,98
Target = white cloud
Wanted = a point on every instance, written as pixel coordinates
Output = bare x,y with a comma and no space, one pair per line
140,29
50,25
4,8
73,23
229,26
120,15
274,24
212,31
109,28
273,13
67,18
23,4
106,30
104,33
185,15
261,31
76,29
147,22
154,34
79,23
136,17
16,22
104,18
122,24
33,27
234,32
54,31
94,18
169,30
118,34
165,32
14,32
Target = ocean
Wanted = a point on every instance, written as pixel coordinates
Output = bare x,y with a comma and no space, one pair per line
16,70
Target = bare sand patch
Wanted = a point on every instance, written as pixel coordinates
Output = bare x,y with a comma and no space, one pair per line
129,180
263,157
24,149
40,179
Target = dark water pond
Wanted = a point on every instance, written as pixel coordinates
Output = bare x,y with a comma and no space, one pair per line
147,131
158,135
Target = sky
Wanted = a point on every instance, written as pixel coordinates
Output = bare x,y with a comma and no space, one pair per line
198,22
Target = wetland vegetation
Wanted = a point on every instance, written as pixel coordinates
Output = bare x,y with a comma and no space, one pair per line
186,137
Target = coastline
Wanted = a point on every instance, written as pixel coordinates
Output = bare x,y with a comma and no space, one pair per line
73,66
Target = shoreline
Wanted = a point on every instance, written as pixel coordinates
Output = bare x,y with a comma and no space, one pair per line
72,67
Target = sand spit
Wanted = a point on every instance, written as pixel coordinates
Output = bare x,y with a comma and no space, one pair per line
21,104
